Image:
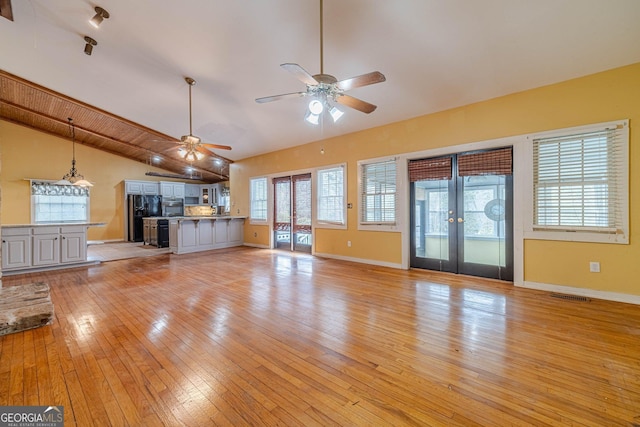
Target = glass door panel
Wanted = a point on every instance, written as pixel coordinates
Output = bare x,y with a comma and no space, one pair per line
292,213
302,213
485,229
282,213
461,224
433,233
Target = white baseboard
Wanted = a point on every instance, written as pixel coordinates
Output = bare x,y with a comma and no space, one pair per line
102,242
592,293
255,245
360,260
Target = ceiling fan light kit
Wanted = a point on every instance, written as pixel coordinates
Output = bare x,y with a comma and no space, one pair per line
323,88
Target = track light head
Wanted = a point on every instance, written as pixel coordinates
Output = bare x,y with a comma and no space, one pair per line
88,48
100,15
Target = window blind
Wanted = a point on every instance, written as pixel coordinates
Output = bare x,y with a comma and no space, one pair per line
378,193
430,169
493,162
258,209
577,181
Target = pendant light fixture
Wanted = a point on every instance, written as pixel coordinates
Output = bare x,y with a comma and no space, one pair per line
73,177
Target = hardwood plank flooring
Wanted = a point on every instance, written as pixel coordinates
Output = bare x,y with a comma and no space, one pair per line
257,337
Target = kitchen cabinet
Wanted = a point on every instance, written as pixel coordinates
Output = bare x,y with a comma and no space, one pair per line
194,234
150,188
73,244
59,245
191,194
16,248
43,247
172,190
46,246
205,194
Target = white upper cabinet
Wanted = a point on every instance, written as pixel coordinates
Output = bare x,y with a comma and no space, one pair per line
141,187
172,190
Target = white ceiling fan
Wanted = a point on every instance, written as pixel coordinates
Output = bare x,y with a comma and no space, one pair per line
325,88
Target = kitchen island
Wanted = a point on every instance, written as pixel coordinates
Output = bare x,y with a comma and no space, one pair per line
48,246
202,233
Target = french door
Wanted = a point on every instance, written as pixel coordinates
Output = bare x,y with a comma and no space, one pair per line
292,213
462,215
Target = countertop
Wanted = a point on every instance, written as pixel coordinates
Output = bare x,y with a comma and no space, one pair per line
55,224
196,218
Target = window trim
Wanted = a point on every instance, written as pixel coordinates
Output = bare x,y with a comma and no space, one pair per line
33,203
260,220
580,234
381,226
318,223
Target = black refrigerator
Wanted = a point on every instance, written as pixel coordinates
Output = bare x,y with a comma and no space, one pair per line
141,206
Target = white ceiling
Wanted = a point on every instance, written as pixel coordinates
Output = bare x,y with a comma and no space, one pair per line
435,54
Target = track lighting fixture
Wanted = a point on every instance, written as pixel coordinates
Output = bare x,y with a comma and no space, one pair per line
88,48
100,15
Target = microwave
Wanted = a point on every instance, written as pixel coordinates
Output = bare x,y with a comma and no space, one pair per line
173,207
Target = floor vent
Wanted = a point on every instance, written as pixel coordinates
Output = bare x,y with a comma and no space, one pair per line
571,297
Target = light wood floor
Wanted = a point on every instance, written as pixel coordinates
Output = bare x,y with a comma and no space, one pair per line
256,337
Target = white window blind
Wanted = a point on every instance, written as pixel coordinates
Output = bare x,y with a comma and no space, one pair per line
378,192
258,190
331,201
579,181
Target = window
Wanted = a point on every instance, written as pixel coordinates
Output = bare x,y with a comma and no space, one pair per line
331,196
580,182
258,208
58,203
378,193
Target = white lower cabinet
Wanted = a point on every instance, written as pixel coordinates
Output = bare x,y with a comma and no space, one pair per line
204,233
43,246
46,247
73,245
16,248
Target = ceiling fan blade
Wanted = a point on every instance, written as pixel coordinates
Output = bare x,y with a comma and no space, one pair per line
219,147
203,151
278,97
363,80
356,103
300,73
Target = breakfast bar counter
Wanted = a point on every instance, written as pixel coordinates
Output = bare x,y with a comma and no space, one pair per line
202,233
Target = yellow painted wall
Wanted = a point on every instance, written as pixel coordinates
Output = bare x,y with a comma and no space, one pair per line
606,96
27,153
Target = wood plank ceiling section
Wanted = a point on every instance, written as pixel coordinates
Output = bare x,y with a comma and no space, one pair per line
39,108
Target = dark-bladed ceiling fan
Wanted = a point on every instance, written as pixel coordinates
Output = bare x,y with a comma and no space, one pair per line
324,88
192,148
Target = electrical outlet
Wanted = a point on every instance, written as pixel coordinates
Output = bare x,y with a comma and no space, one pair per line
594,267
348,243
255,234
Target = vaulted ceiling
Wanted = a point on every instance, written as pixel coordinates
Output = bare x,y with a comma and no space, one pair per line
130,97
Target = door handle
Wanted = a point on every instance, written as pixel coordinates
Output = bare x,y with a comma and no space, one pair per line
451,219
459,220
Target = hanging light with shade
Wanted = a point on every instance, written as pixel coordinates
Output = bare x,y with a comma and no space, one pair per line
73,177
